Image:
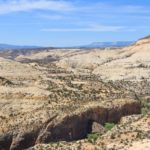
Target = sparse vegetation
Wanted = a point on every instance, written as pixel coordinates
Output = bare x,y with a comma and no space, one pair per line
57,102
109,126
92,137
145,111
145,103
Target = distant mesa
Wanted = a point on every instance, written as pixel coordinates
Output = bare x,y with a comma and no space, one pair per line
9,46
92,45
108,44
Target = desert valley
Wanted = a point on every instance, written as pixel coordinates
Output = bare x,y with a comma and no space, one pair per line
72,99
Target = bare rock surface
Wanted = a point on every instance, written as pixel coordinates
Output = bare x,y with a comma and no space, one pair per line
98,128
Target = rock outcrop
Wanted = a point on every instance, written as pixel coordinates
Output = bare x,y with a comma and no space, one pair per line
98,128
132,132
78,126
5,82
71,127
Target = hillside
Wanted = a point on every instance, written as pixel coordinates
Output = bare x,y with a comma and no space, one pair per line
71,98
130,63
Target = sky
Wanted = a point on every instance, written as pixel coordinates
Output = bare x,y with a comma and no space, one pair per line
72,22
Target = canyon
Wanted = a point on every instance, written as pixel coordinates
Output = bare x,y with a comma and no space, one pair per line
55,98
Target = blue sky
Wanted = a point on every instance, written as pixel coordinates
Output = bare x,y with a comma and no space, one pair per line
72,22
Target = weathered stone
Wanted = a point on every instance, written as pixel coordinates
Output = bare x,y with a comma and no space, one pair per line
98,128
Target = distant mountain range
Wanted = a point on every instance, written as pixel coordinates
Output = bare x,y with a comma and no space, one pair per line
108,44
8,46
92,45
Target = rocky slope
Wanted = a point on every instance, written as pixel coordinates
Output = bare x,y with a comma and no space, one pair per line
129,63
131,133
54,95
44,103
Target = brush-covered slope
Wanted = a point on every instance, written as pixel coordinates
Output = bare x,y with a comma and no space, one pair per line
56,95
42,103
132,62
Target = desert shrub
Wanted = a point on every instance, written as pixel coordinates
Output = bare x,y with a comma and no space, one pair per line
92,137
145,106
145,111
109,126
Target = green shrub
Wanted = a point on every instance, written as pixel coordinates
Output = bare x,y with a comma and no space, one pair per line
145,111
92,137
109,126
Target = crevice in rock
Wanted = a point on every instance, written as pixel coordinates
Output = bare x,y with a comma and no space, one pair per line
73,127
5,141
78,126
89,126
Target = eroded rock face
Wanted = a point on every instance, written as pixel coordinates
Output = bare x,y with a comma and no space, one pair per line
24,140
5,141
132,132
73,127
78,126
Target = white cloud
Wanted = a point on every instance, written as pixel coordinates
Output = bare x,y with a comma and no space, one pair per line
9,6
86,29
